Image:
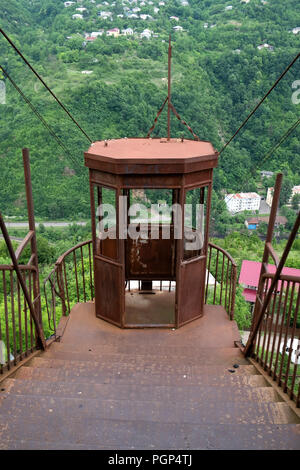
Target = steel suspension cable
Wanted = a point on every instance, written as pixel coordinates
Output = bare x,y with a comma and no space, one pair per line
261,101
40,117
45,85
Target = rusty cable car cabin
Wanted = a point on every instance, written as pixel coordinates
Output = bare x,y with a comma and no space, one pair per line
150,248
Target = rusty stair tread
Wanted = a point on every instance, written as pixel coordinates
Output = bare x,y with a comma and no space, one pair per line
187,393
149,435
73,375
79,411
135,368
222,356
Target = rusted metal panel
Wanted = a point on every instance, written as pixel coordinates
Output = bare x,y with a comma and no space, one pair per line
153,258
191,290
109,290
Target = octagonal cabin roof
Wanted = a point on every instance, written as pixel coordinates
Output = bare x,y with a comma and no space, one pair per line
151,156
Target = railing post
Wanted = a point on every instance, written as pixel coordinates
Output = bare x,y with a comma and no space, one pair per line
39,329
31,222
233,280
61,289
262,309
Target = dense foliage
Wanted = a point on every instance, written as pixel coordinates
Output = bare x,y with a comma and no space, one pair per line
219,74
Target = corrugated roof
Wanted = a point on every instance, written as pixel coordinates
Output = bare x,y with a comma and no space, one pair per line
250,271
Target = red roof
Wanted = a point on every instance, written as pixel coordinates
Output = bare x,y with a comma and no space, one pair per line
250,271
250,295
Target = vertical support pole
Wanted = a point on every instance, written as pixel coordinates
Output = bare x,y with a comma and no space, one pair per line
61,289
31,222
270,231
169,88
39,330
293,234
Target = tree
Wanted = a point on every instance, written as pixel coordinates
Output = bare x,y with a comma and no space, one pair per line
286,191
296,202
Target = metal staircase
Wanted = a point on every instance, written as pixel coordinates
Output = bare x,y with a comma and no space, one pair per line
105,388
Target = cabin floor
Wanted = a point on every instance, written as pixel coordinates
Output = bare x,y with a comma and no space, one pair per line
101,387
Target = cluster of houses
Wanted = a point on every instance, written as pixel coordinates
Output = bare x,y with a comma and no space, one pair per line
129,12
116,32
251,202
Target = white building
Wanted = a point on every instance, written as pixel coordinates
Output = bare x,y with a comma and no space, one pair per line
146,34
296,30
178,28
229,7
242,202
95,34
77,16
105,14
68,4
127,32
295,190
269,198
265,46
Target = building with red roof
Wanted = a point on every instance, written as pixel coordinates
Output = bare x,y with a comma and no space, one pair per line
249,277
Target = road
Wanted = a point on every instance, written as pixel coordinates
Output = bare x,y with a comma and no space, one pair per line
46,224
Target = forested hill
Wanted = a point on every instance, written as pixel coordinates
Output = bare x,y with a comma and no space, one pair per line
219,75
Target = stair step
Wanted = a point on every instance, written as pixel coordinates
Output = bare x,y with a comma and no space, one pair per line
152,368
222,356
81,412
152,348
74,375
148,435
185,394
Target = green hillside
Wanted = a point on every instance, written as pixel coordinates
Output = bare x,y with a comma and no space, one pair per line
219,75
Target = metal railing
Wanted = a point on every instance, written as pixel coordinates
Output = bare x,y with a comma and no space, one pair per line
221,276
277,343
71,281
17,329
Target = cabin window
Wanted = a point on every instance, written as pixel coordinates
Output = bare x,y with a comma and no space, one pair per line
105,221
195,210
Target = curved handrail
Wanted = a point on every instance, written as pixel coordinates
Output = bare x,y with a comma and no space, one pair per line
223,268
59,282
68,252
224,252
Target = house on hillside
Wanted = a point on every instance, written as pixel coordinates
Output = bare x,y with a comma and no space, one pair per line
68,4
178,29
266,174
265,46
127,32
104,15
146,34
77,16
249,278
269,198
253,223
113,32
95,34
